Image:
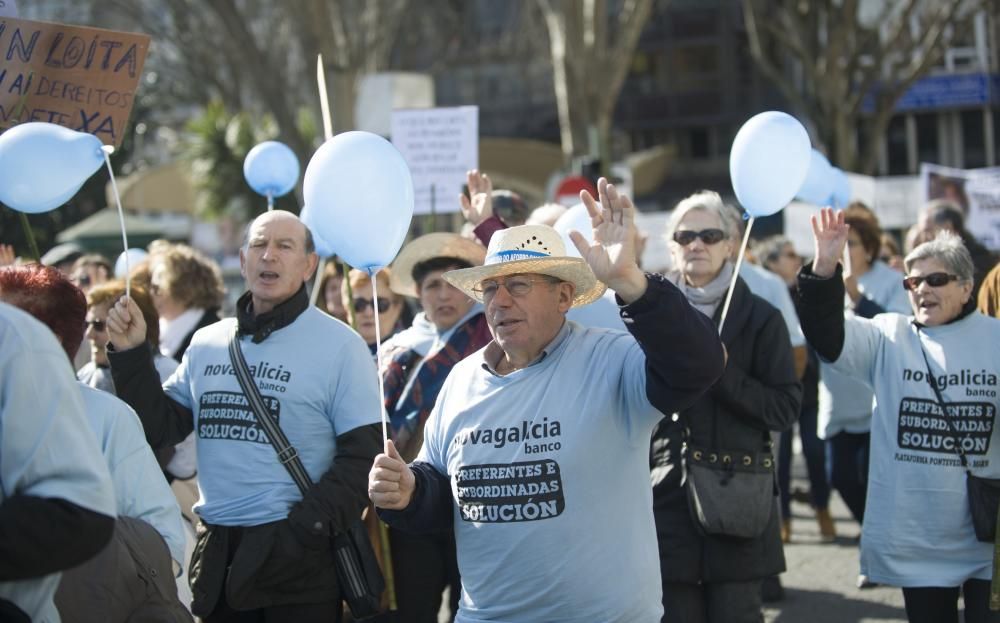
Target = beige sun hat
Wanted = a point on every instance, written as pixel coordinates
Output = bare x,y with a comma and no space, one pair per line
428,247
535,249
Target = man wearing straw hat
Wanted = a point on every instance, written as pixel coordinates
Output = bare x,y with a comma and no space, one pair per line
415,364
263,549
537,449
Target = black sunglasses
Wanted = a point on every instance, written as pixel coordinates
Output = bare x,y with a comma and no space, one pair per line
361,305
98,325
708,236
934,280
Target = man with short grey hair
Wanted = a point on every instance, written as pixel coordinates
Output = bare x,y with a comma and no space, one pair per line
263,548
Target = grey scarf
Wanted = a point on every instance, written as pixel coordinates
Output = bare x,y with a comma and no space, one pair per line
707,298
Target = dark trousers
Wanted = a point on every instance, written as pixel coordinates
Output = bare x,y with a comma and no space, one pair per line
424,565
814,452
324,612
940,604
722,602
847,460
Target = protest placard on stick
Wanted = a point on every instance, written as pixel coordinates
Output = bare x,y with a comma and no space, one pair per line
79,77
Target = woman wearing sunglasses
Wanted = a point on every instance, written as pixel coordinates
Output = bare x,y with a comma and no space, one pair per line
717,578
390,306
918,531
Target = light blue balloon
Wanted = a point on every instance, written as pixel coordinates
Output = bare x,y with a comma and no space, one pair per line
42,165
271,168
841,190
323,248
360,187
768,161
818,185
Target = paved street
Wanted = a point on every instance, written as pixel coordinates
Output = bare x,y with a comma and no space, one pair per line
820,581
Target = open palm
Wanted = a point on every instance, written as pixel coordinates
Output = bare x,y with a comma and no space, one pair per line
612,256
829,237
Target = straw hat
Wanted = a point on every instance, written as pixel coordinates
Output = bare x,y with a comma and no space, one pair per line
429,247
535,249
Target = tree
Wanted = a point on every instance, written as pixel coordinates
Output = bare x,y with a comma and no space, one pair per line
845,69
591,56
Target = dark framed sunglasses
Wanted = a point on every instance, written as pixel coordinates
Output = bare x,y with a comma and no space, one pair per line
361,305
708,236
98,325
934,280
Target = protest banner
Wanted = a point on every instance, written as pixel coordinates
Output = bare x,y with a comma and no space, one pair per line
439,145
975,191
79,77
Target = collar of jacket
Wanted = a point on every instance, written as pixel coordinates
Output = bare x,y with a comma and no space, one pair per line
263,325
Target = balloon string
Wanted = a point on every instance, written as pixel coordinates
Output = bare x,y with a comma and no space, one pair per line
270,202
736,273
317,281
378,361
121,219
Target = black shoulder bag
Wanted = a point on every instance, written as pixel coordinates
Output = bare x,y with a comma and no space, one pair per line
358,573
984,493
729,492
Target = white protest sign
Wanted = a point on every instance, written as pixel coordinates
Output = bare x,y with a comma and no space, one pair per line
8,8
977,191
439,145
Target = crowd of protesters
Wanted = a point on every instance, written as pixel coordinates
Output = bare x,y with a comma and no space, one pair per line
559,421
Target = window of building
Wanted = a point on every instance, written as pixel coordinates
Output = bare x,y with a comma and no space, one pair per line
895,138
694,68
973,139
927,138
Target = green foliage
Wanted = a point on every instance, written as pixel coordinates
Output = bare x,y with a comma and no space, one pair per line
215,146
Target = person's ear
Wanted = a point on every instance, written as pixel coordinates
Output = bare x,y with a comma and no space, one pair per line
567,292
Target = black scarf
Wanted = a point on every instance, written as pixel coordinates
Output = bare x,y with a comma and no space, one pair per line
262,325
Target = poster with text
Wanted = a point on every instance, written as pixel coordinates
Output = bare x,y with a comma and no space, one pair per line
79,77
975,191
439,145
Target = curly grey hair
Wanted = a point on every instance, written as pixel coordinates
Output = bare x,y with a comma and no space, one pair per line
948,249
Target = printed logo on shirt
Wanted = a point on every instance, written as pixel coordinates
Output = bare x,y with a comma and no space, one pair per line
966,376
923,426
269,377
227,415
537,436
507,493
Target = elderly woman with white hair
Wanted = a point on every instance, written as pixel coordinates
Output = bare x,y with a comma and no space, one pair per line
933,432
714,499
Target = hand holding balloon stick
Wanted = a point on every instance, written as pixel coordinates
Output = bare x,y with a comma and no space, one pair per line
767,164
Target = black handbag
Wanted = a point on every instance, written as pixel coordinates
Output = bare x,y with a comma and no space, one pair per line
729,492
984,493
358,572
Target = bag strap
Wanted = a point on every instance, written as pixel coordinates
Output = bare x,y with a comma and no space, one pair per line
287,454
931,380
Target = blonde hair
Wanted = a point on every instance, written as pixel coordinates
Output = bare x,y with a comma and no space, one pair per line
192,280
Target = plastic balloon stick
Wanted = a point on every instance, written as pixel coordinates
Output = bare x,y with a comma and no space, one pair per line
107,149
736,273
318,280
324,100
378,357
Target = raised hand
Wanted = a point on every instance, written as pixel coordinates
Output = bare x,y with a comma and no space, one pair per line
829,238
478,206
612,257
390,482
126,326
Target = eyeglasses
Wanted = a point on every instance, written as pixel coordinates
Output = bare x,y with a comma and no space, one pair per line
708,236
97,325
361,305
934,280
516,286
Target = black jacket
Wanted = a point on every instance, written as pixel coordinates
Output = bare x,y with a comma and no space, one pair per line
758,393
210,316
683,358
